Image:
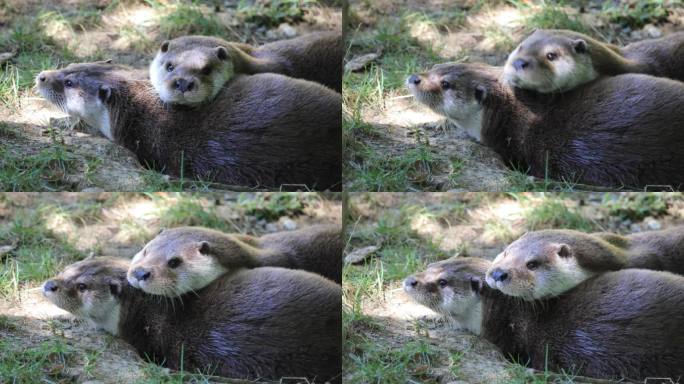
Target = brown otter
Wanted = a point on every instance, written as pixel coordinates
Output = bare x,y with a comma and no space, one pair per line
547,263
560,60
264,130
626,130
622,324
191,70
186,259
252,324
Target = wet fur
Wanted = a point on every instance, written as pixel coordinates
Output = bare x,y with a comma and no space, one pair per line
262,131
258,323
619,324
626,130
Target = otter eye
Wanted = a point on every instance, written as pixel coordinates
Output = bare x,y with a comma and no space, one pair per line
81,287
68,83
206,70
445,84
169,67
532,265
442,283
174,263
551,56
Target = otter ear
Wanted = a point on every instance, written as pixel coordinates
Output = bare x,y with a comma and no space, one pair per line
580,46
203,247
480,93
221,53
164,46
104,93
476,284
115,287
564,250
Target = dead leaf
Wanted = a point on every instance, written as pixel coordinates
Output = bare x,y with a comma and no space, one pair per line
360,255
359,63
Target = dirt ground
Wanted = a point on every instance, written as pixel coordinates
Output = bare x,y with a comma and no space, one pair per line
414,35
413,229
128,32
115,225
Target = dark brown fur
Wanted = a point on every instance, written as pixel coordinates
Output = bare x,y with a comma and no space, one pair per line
315,56
262,131
626,130
619,324
315,249
258,323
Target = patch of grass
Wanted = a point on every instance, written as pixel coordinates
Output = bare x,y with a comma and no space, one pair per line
271,207
189,211
188,19
373,170
549,15
637,206
391,364
46,170
636,14
48,361
156,182
273,13
552,212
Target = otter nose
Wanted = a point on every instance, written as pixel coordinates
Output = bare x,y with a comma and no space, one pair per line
42,77
411,282
414,79
141,274
50,286
184,85
499,275
520,64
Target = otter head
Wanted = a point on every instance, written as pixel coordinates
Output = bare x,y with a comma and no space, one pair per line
549,61
456,91
175,262
452,288
189,75
83,91
90,289
536,266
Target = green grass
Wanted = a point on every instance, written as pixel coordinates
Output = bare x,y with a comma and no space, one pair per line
272,206
189,211
636,14
637,206
273,13
546,14
47,361
188,19
552,212
393,364
44,170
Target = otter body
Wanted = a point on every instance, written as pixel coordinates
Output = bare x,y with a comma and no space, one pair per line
626,130
547,263
560,60
185,259
622,324
191,70
263,130
252,324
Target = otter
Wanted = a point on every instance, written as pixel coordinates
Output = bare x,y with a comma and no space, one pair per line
261,131
621,324
263,323
547,263
191,70
185,259
560,60
621,131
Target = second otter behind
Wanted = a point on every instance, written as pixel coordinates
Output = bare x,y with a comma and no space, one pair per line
186,259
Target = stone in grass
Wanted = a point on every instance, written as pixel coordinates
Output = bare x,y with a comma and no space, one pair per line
359,63
360,255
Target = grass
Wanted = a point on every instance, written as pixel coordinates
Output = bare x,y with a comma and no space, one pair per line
188,19
638,13
546,14
396,364
553,212
47,361
273,13
273,206
637,206
45,170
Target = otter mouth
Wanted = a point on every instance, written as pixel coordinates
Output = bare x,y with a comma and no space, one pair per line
430,99
53,97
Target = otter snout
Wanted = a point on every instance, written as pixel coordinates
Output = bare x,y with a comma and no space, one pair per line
49,80
410,282
50,286
499,275
140,274
520,64
413,79
184,85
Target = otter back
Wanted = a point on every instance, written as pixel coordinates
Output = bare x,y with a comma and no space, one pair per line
261,323
623,324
